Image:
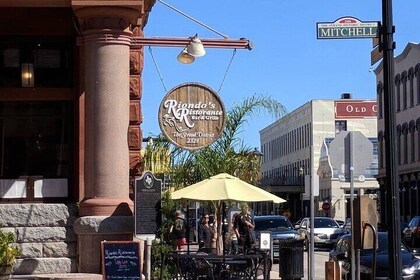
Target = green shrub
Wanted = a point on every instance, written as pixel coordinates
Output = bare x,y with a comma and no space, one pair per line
8,251
160,248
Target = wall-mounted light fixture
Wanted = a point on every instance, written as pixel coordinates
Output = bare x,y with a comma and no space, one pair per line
193,46
184,57
28,76
194,49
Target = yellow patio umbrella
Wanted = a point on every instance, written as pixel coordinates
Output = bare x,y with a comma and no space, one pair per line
224,187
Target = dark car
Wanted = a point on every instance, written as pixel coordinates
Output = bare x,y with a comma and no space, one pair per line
341,253
280,228
411,233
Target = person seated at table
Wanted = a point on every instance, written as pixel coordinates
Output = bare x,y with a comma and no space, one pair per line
205,234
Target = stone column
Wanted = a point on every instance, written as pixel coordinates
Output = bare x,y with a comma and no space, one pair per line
106,209
106,41
107,119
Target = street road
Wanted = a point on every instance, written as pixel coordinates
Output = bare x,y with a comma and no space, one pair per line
321,256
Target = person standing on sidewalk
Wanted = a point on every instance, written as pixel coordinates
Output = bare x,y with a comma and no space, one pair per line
205,234
232,239
244,228
179,231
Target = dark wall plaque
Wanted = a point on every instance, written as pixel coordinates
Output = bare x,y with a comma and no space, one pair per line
120,260
148,195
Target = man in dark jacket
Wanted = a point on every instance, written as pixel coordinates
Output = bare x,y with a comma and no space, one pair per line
244,228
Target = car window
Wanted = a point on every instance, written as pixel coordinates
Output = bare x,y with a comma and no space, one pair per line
337,246
325,223
272,224
344,246
412,223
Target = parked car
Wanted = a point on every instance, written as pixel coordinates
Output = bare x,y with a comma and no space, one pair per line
341,253
340,222
326,231
347,225
279,226
411,233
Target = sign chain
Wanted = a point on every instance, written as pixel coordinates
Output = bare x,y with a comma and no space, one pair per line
227,70
157,69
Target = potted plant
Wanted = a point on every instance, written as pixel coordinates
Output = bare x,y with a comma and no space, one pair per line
8,253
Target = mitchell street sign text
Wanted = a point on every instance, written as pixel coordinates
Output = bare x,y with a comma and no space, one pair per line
347,28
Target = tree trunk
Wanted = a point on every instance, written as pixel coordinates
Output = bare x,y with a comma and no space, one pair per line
219,234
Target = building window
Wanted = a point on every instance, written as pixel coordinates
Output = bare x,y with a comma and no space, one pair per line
411,79
381,149
405,143
340,126
379,91
36,139
412,129
417,73
398,92
51,59
399,143
404,88
418,139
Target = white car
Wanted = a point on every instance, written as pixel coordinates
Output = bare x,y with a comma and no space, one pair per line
326,231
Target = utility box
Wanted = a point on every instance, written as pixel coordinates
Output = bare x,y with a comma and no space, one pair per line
365,212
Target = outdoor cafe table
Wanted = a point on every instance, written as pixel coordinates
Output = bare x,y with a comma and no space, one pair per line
197,265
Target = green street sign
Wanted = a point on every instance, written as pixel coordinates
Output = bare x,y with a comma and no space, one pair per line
347,28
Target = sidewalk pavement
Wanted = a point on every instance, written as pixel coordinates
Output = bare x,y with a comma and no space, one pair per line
274,275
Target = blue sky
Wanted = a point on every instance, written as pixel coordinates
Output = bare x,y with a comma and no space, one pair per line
287,62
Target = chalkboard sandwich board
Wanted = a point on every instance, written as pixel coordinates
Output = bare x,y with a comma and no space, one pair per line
120,260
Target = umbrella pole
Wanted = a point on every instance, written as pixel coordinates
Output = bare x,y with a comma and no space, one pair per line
223,229
188,227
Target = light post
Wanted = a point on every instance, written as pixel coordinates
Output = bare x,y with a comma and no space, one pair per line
300,176
301,183
257,156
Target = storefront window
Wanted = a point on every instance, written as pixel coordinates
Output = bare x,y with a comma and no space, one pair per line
51,60
36,139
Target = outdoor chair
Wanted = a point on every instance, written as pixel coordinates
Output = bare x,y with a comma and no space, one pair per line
203,269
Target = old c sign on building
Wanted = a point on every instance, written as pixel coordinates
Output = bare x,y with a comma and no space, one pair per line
191,116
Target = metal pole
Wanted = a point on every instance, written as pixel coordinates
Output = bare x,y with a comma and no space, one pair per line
392,182
149,258
355,255
353,260
193,19
311,221
187,219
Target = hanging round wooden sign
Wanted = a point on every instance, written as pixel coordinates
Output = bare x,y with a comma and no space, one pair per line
192,116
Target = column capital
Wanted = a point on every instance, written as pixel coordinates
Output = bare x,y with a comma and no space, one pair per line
108,14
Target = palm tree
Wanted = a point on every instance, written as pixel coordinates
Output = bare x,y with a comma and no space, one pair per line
228,154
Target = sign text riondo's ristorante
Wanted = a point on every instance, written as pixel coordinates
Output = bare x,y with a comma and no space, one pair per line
192,116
